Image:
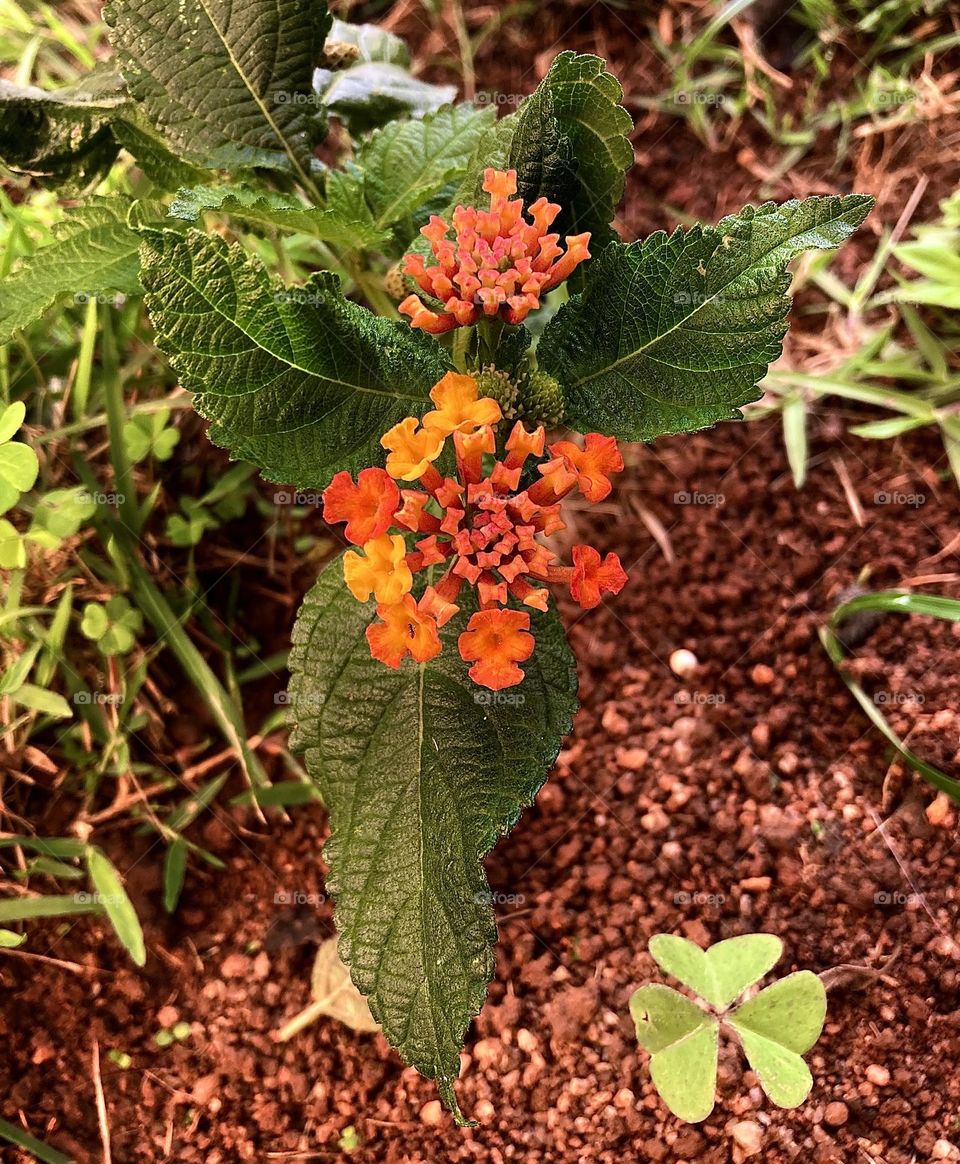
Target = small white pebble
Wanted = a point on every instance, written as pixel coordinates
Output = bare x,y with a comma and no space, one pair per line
878,1076
684,663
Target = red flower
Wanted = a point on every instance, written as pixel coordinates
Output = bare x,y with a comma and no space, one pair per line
367,506
495,641
593,577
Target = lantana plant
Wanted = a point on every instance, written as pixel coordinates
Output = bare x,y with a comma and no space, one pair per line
431,682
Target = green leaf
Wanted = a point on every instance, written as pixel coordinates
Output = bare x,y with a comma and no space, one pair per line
13,552
372,92
344,220
174,873
59,514
422,771
674,332
62,135
51,905
18,466
373,42
571,144
407,163
94,252
683,1043
297,380
776,1028
724,971
16,1135
227,85
43,701
11,419
10,941
113,897
151,153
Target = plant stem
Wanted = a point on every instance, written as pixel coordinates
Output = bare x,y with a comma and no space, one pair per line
116,416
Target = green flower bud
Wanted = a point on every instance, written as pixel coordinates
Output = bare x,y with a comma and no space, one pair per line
498,385
540,399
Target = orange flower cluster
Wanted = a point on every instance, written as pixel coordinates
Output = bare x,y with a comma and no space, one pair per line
498,264
479,527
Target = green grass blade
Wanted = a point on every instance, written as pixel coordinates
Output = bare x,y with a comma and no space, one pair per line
14,1135
119,908
53,905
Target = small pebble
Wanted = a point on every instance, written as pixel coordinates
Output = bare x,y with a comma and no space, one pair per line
684,663
836,1114
431,1113
878,1076
943,1150
938,811
762,675
748,1137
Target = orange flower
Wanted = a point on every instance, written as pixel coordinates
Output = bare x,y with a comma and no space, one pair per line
495,641
497,264
592,577
458,408
411,449
590,465
383,571
405,630
367,506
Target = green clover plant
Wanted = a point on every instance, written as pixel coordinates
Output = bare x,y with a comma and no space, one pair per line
399,368
775,1027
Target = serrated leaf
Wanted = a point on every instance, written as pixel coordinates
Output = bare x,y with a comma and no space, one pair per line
112,896
94,252
152,154
62,135
373,92
421,772
723,971
407,163
674,332
298,381
345,222
776,1028
683,1043
227,85
333,992
571,144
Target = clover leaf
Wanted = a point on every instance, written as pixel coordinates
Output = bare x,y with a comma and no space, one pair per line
148,435
114,625
18,462
775,1028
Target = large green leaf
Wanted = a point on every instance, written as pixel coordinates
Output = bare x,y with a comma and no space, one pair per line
62,135
297,380
422,771
373,92
347,222
673,333
94,252
407,163
776,1028
571,145
228,85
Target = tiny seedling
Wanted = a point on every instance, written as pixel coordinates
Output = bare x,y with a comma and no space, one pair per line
775,1027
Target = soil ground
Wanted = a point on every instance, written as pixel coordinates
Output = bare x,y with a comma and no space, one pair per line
751,795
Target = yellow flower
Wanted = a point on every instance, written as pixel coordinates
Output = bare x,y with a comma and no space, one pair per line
383,571
411,450
458,409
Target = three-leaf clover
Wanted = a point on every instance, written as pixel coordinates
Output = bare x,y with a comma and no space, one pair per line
114,626
147,434
775,1028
